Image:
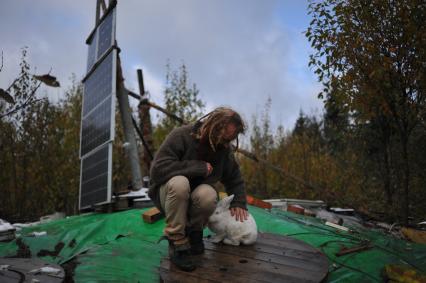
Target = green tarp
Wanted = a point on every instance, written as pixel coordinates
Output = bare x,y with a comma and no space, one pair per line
120,247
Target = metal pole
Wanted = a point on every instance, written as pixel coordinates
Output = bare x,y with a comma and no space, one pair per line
140,81
98,12
129,134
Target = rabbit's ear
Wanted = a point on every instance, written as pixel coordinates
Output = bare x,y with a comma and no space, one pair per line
226,202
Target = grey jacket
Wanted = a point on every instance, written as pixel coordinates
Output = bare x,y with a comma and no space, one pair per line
183,154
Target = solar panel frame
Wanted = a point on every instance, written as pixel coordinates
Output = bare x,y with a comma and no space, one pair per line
107,178
98,114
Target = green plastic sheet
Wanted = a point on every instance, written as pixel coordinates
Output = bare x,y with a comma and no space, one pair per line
120,247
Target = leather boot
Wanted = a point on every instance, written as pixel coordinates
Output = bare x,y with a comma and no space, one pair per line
180,256
196,241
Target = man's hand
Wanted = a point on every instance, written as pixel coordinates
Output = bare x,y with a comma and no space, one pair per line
240,213
209,168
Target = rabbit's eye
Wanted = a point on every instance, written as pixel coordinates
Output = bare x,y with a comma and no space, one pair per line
217,212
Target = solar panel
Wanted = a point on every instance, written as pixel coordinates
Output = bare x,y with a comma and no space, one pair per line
98,85
95,183
91,54
103,38
106,34
98,115
97,127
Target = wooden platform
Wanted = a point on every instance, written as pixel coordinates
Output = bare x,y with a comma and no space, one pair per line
15,270
273,258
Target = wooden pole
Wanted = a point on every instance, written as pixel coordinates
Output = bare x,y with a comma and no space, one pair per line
146,126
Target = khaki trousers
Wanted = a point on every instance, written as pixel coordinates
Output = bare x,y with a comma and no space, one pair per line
186,209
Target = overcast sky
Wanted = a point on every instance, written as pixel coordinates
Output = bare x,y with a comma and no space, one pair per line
238,52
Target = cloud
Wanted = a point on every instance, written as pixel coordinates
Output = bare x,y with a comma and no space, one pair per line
238,52
53,31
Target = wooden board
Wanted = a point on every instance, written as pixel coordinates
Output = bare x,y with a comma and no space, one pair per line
273,258
16,270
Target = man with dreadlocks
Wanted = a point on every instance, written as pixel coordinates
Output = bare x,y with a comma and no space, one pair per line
191,160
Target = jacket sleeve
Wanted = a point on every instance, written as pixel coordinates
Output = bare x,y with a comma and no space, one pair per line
233,182
168,163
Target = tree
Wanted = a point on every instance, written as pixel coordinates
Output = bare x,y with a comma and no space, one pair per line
20,93
69,162
370,57
336,126
261,142
307,133
24,88
180,98
39,151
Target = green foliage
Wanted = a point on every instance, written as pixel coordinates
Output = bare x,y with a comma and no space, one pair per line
39,146
69,149
356,155
40,141
370,57
22,92
344,173
181,99
261,141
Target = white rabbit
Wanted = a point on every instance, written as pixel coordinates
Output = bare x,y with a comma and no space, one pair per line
228,229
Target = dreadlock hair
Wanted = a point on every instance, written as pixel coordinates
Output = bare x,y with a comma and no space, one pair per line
213,126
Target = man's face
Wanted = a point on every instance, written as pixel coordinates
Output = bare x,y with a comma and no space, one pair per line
230,133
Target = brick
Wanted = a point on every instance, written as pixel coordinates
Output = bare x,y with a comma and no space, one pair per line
258,202
296,209
152,215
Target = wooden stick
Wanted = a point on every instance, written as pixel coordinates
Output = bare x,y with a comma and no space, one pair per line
345,251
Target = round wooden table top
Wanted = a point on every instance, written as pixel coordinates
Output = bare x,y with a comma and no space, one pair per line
273,258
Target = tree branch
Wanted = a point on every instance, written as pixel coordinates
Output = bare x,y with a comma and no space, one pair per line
26,103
